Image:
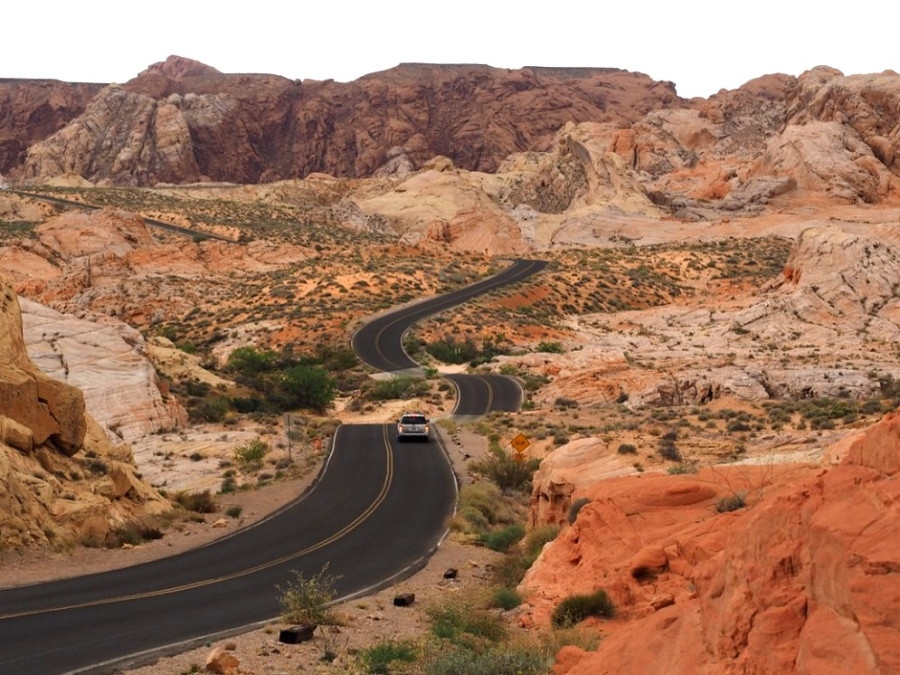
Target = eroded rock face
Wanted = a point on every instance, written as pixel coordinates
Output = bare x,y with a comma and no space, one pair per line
53,411
801,580
32,110
107,361
49,489
180,121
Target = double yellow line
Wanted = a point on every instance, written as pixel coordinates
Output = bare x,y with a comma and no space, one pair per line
344,531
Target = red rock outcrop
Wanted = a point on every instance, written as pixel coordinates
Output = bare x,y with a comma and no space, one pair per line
804,579
180,121
32,110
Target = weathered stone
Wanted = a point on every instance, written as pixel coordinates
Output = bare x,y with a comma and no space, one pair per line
17,435
222,661
404,599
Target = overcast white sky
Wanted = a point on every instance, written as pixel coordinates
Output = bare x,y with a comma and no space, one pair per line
700,45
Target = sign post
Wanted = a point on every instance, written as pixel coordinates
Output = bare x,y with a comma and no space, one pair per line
520,443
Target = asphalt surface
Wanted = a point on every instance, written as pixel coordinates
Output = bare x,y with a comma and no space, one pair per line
380,342
375,513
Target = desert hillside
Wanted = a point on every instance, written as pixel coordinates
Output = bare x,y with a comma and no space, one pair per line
709,359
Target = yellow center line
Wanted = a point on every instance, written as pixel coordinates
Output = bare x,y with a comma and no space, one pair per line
356,522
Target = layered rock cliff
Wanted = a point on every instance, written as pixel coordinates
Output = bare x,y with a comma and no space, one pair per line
180,121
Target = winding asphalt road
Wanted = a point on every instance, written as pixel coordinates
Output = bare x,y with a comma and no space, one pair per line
375,514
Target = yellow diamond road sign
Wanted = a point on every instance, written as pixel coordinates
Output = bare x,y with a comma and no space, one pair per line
520,443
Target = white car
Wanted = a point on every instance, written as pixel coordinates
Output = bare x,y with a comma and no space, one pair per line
414,426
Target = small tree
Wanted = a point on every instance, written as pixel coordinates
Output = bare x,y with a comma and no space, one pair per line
307,387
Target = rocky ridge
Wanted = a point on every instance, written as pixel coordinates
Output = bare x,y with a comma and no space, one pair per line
173,121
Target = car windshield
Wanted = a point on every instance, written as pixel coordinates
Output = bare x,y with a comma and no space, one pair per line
413,419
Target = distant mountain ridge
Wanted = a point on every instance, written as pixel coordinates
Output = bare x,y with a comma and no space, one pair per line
182,121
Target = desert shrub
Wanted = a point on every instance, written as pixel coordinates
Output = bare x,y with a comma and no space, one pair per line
506,599
234,511
132,534
682,468
550,347
536,539
500,540
497,660
306,600
249,456
197,502
576,506
505,472
210,409
626,449
461,622
575,608
667,448
481,506
379,657
449,350
731,502
194,387
398,388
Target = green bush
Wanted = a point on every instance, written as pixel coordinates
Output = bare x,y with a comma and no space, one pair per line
212,409
626,449
553,347
306,387
497,660
449,350
197,502
306,600
506,599
379,657
500,540
503,470
461,622
536,539
576,506
249,456
398,388
576,608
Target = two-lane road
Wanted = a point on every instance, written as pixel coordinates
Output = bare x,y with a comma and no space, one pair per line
380,342
376,512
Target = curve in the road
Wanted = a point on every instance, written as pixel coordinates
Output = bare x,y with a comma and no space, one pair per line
376,512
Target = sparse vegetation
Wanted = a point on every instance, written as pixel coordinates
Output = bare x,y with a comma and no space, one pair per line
250,455
306,599
576,608
576,507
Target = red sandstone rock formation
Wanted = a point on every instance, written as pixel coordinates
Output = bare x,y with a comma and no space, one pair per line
181,121
804,579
